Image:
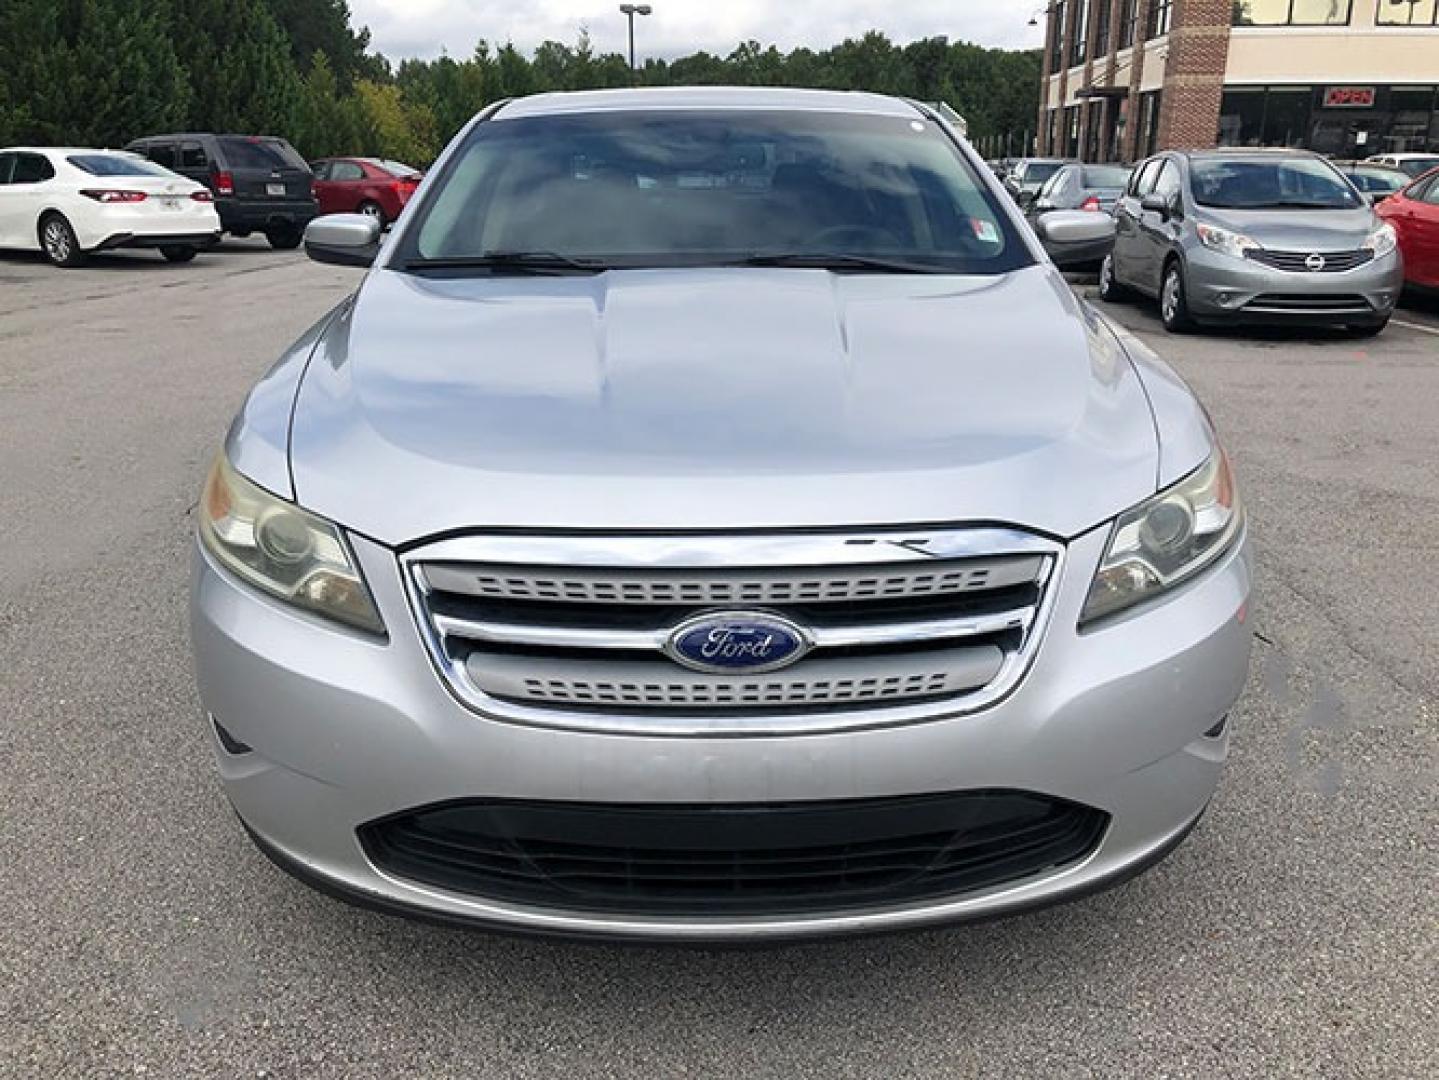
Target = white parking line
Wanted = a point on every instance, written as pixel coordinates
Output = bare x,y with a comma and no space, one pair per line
1416,326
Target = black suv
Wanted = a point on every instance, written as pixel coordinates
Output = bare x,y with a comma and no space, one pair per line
259,182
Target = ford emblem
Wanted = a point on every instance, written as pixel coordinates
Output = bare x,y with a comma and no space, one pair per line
737,643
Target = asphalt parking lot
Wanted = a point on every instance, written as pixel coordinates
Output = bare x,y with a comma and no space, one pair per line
1294,934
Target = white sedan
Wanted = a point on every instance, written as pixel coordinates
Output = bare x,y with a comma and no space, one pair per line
68,203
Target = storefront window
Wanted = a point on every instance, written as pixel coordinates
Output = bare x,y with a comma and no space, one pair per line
1116,132
1408,13
1094,134
1241,118
1293,12
1148,124
1071,140
1160,14
1286,117
1414,120
1341,120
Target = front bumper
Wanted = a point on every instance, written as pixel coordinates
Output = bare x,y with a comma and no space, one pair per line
1223,288
346,730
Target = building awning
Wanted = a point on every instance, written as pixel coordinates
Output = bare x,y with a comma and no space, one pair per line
1102,92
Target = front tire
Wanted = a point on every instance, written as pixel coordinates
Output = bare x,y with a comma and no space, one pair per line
59,243
177,253
1174,300
1110,289
283,238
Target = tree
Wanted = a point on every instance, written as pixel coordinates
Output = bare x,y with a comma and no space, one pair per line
395,128
109,70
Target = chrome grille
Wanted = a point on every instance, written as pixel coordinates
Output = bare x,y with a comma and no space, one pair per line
573,633
646,685
736,587
1297,262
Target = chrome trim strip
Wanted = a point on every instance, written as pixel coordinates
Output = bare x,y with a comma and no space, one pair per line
729,550
561,637
783,550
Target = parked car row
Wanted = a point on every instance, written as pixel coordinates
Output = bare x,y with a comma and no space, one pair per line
180,193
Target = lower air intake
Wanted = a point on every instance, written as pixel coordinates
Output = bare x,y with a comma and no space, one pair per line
734,859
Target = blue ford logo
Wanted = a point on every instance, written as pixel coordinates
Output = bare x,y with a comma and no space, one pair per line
737,642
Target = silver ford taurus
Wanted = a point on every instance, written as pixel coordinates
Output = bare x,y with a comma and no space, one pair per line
713,517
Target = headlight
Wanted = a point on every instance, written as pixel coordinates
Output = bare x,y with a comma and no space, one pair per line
287,552
1226,242
1167,539
1382,240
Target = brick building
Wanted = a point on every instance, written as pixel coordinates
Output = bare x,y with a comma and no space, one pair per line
1123,78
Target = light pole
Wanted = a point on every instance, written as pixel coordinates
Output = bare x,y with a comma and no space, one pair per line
631,10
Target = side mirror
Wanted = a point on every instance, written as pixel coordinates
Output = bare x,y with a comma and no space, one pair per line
1155,204
1075,237
343,239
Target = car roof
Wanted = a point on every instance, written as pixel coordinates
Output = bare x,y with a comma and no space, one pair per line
1354,163
1240,152
206,135
707,97
59,150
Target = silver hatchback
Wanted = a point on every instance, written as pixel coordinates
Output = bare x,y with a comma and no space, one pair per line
1271,236
714,517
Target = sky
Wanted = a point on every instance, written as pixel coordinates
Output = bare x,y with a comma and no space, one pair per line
425,28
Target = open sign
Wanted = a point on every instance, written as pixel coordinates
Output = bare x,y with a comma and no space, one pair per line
1349,97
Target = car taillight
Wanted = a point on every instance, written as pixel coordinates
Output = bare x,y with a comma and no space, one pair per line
224,183
110,195
202,196
1091,203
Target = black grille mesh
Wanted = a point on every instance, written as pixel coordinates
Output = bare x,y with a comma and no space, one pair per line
733,859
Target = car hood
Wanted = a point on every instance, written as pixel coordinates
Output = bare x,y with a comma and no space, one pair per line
1299,230
718,399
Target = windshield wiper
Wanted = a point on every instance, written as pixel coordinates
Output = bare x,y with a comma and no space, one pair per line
510,262
808,260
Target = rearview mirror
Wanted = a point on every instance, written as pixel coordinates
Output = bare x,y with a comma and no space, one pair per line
1075,237
343,239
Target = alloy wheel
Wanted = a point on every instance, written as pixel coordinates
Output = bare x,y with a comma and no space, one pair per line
57,241
1169,304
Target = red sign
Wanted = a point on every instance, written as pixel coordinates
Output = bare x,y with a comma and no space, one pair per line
1349,97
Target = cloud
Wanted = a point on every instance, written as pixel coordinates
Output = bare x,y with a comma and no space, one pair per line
425,28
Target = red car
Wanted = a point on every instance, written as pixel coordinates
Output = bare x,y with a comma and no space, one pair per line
364,186
1414,213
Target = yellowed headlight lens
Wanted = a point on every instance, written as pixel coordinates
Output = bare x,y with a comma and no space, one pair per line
283,550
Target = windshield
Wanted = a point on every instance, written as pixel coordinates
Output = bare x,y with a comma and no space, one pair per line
249,152
635,189
398,168
1299,183
1038,171
1106,176
1386,180
115,165
1419,166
